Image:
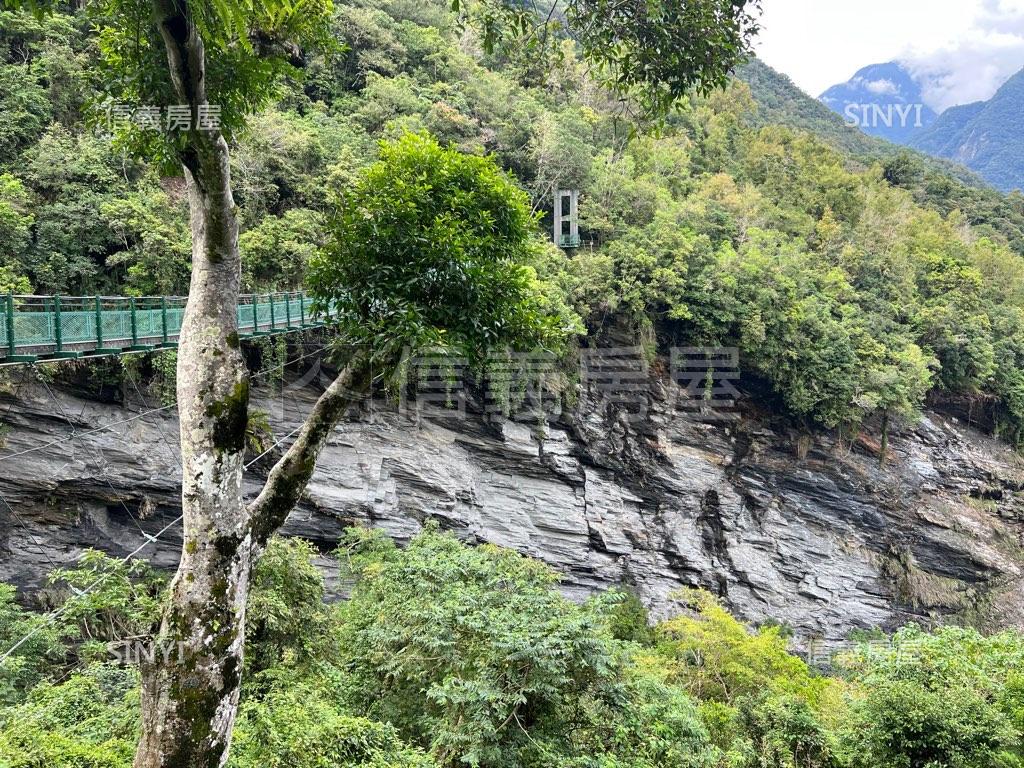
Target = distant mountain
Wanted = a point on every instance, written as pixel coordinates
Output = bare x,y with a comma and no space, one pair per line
781,102
987,136
882,100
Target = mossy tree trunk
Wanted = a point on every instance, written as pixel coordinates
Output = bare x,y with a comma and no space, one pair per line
190,692
189,700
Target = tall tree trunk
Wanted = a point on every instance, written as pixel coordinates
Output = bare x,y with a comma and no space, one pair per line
190,691
190,696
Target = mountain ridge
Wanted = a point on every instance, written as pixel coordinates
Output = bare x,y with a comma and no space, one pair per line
883,100
985,136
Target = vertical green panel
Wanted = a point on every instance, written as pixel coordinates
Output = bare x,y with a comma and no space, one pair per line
271,299
163,316
99,323
10,324
57,331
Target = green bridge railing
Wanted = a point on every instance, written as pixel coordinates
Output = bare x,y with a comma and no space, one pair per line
65,327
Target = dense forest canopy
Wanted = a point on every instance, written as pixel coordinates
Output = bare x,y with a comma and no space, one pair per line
854,282
448,655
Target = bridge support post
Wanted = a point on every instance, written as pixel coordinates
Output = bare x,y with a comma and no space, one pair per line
163,317
101,348
99,323
135,326
59,353
57,337
9,320
270,297
288,310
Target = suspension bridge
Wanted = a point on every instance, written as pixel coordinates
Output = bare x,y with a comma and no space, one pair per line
39,328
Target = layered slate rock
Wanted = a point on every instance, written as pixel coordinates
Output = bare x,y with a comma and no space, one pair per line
804,530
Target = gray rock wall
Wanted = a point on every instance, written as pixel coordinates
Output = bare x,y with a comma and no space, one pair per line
825,543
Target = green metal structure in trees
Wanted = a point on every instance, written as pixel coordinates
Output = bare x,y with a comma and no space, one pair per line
34,328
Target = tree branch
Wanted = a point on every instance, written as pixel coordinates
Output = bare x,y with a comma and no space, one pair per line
186,53
290,476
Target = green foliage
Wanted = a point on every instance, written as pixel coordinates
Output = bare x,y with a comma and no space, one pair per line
470,652
951,697
107,600
152,223
845,273
429,249
297,727
762,705
904,724
164,383
287,620
275,252
718,659
656,52
34,658
89,720
451,655
249,47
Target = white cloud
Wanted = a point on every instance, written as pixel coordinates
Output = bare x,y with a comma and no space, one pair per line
973,67
964,49
882,87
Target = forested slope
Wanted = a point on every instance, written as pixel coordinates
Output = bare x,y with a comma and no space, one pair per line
853,287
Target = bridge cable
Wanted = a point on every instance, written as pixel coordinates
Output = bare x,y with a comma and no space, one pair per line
138,416
49,618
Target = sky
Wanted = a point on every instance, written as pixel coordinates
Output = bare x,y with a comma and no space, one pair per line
963,49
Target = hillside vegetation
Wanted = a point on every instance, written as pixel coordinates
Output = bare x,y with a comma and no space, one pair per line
853,287
448,655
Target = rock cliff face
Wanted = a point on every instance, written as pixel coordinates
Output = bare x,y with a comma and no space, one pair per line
809,531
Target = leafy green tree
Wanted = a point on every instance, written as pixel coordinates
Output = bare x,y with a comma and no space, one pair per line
89,720
907,725
107,600
431,248
232,55
946,698
15,222
287,616
276,252
155,254
472,653
467,650
296,726
653,51
30,662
